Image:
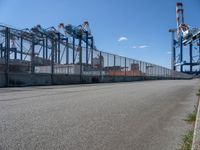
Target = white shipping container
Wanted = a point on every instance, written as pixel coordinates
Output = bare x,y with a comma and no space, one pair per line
59,69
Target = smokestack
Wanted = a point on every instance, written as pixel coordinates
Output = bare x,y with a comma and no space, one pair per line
179,15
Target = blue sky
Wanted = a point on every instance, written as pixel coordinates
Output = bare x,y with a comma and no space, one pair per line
142,24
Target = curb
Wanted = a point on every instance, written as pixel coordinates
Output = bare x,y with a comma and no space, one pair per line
196,136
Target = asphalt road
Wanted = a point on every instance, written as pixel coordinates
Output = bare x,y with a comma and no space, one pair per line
121,116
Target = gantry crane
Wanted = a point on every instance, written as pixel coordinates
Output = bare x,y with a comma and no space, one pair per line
82,33
182,37
40,45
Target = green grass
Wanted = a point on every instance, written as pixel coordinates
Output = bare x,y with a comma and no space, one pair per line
191,118
187,140
198,93
188,137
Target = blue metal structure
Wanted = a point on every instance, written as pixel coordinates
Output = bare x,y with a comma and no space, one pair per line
68,50
185,46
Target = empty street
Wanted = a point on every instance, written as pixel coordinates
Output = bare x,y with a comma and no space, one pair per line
117,116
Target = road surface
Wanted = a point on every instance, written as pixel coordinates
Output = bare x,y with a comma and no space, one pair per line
120,116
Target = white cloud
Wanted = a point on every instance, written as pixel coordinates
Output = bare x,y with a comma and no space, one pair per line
122,39
169,52
134,47
140,46
143,46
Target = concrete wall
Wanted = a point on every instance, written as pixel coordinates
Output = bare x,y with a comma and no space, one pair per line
2,80
47,79
29,79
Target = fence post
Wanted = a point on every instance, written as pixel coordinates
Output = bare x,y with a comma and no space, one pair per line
7,55
58,49
114,60
33,56
43,50
108,65
21,48
74,50
46,47
1,50
80,58
92,49
52,60
125,67
101,66
67,52
86,48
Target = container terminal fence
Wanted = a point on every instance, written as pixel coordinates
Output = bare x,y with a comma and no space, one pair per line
40,56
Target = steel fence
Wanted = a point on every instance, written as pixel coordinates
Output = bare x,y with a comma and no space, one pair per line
51,52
